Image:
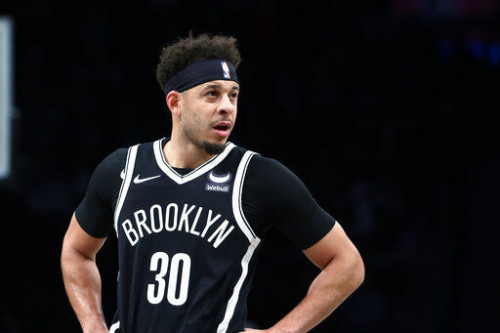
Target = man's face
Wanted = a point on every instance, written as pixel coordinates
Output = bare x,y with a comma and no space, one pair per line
208,114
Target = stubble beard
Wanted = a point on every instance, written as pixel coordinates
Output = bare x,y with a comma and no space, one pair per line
209,147
213,148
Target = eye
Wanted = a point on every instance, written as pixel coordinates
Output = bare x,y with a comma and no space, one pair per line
233,95
211,93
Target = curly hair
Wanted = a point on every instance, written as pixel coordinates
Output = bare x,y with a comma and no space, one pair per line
186,51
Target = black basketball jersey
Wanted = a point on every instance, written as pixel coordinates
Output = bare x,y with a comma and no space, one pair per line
186,251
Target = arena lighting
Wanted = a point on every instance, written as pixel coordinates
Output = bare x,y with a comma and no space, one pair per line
6,65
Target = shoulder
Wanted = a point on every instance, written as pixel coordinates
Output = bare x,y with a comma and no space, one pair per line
272,182
109,171
117,156
95,211
271,172
117,159
276,194
113,162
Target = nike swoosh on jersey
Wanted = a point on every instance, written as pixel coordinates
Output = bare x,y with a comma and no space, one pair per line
219,179
122,174
138,180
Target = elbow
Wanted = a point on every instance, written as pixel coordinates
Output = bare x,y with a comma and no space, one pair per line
68,253
358,270
354,270
67,258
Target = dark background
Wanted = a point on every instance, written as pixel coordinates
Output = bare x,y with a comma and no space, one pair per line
385,109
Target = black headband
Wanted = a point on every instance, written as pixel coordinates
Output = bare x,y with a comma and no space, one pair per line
201,72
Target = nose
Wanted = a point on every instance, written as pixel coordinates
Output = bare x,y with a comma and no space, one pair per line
226,105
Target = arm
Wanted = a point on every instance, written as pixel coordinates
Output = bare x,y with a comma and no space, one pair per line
81,277
342,272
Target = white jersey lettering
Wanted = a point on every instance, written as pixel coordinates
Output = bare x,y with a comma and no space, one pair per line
190,221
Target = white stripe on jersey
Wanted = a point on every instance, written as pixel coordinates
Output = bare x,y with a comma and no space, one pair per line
129,171
114,327
237,194
247,230
231,304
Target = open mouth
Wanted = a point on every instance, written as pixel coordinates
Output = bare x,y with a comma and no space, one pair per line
222,128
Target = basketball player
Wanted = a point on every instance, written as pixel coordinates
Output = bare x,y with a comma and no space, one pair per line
190,212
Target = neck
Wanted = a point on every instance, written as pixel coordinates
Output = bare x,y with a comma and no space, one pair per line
179,154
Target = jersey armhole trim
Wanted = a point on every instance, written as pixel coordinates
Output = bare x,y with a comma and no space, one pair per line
114,328
237,195
233,300
129,171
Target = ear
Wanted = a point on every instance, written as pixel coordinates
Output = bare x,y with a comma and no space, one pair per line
173,102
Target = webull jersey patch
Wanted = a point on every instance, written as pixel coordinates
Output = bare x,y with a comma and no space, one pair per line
218,183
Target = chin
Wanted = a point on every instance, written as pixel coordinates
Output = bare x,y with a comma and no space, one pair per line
214,148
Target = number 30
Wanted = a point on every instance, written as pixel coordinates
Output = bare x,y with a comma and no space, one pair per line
159,264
